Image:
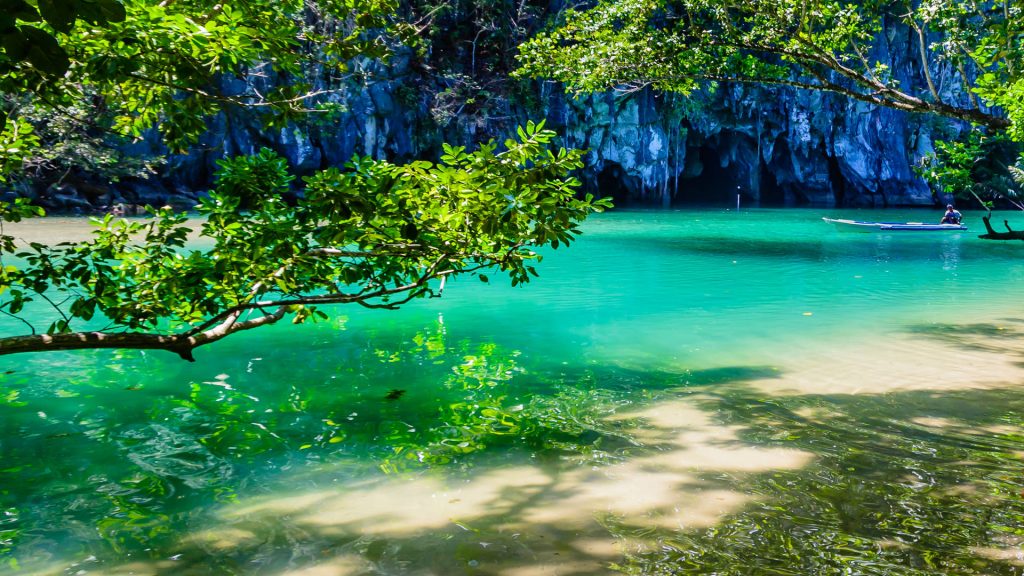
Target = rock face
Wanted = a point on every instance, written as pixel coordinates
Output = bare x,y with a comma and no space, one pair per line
771,146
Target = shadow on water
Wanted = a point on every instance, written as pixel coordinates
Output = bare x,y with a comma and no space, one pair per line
911,483
497,469
733,246
1005,337
907,483
813,248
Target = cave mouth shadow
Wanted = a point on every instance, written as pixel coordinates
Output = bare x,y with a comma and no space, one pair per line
613,181
713,184
705,181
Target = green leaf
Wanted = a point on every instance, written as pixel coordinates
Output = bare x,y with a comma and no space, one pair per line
60,14
19,10
44,53
101,11
15,45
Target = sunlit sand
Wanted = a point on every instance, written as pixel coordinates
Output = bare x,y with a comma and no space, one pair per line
56,229
549,519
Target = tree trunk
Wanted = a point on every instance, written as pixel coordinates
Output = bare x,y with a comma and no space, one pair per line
91,340
1010,234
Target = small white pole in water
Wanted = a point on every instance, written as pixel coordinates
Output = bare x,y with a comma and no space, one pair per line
737,202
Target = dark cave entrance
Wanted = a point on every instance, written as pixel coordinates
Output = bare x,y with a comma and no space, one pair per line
836,180
714,184
613,182
772,194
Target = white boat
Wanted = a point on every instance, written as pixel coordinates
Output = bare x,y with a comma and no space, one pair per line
859,226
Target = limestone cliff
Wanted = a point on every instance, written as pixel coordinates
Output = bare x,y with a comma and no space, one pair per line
771,146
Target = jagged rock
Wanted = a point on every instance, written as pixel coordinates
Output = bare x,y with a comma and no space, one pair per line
773,146
66,202
150,192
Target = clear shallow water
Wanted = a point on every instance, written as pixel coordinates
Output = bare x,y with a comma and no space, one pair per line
680,392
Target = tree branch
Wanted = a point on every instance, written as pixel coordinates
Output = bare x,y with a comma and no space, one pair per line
882,95
924,56
222,325
239,100
180,344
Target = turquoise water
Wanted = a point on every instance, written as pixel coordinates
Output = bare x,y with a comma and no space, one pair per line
679,392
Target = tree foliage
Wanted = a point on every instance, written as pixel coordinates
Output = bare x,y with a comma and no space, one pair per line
29,30
375,233
820,45
141,64
371,233
976,163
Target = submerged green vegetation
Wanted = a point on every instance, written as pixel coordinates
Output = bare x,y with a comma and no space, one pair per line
167,458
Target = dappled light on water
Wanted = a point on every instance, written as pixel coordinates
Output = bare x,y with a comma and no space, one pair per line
521,519
509,519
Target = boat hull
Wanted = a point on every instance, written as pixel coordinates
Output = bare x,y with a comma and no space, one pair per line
875,227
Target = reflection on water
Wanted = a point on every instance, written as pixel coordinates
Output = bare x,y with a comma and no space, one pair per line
714,394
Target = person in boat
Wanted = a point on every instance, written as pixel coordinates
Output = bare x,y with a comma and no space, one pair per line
951,216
